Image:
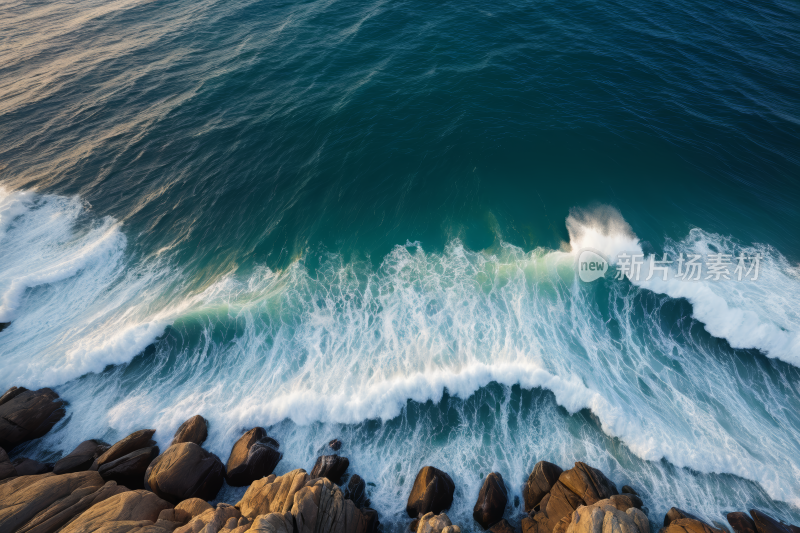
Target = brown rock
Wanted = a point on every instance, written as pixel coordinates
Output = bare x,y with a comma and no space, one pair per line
587,519
193,430
26,415
561,503
543,476
563,524
129,469
432,492
193,506
211,520
24,497
627,489
320,507
689,525
11,393
492,500
28,467
135,441
615,521
332,467
273,523
623,502
176,515
356,491
185,471
254,456
674,514
335,445
65,509
130,506
273,494
766,524
433,523
741,523
81,458
590,484
502,527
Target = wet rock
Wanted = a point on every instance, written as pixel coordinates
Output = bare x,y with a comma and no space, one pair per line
7,469
24,497
766,524
689,525
675,514
130,506
433,523
273,494
741,523
320,507
492,500
562,502
135,441
623,502
414,525
29,467
26,415
502,527
193,506
356,491
371,517
590,484
432,492
193,430
627,489
335,445
186,471
81,458
11,393
332,467
542,478
254,456
129,469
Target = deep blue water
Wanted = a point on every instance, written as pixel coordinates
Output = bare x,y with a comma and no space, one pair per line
360,219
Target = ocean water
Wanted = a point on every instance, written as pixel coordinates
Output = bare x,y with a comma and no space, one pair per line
360,220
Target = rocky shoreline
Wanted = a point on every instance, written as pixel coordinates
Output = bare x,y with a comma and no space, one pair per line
131,487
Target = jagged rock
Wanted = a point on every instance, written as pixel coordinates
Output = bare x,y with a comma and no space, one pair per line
563,524
356,491
623,502
185,471
562,502
492,500
433,523
543,476
29,467
254,456
590,484
212,520
627,489
81,458
640,519
65,509
331,467
193,430
689,525
452,529
766,524
587,519
130,506
335,445
135,441
26,415
432,492
273,523
129,469
675,514
616,521
741,523
193,506
23,497
502,527
320,507
273,494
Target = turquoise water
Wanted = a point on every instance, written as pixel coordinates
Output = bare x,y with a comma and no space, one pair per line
360,220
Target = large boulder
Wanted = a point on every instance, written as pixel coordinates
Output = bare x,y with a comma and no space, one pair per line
193,430
561,502
129,469
689,525
62,511
676,514
212,520
26,415
766,524
543,476
186,471
590,484
502,527
254,456
29,467
272,494
23,497
135,441
11,393
130,506
432,493
193,506
6,468
332,467
741,523
356,491
81,458
492,500
612,515
433,523
320,507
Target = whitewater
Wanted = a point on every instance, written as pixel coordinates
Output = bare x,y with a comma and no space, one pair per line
476,359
